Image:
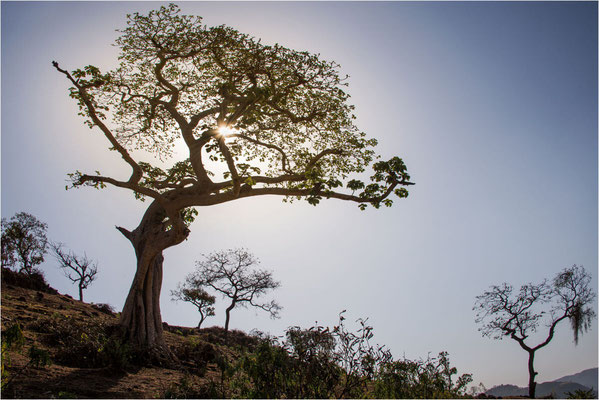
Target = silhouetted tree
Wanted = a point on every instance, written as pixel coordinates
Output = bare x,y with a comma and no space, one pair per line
504,313
232,273
81,271
196,296
276,119
24,242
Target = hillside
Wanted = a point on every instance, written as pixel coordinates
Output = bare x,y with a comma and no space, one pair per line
588,378
87,363
56,347
558,388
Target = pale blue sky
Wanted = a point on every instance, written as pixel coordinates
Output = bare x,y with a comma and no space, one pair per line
492,105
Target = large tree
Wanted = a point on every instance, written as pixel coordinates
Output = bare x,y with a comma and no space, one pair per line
503,313
269,120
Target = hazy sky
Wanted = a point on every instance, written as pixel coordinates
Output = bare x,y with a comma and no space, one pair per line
492,105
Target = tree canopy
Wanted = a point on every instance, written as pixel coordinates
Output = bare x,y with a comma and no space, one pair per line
24,242
253,119
233,273
277,118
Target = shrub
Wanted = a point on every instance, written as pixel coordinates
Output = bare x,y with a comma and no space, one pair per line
338,363
12,338
104,308
582,394
34,281
197,352
430,378
83,344
187,389
39,357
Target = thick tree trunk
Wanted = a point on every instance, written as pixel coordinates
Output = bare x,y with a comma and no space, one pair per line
141,317
532,385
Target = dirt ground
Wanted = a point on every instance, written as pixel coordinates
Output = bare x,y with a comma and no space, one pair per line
28,307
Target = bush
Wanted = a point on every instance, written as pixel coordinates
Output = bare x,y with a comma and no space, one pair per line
582,394
197,352
104,308
430,378
186,389
12,338
234,337
39,357
35,280
337,363
83,344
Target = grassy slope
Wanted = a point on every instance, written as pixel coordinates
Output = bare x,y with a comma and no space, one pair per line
42,315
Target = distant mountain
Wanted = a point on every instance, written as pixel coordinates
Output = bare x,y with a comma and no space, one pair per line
559,388
507,390
588,378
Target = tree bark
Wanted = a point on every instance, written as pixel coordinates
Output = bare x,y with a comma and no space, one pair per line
141,318
532,385
80,293
228,316
202,317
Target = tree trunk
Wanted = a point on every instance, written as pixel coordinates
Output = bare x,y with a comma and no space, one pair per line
141,318
532,385
202,317
80,293
228,316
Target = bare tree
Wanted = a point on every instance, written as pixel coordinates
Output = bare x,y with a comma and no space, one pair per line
24,242
231,273
81,271
196,296
503,313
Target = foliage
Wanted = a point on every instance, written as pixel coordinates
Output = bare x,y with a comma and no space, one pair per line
79,270
276,120
24,242
569,296
104,308
582,394
424,379
197,352
84,344
188,388
320,362
39,357
232,273
196,296
12,339
285,111
35,280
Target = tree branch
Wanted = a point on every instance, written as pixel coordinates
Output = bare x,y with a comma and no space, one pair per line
137,173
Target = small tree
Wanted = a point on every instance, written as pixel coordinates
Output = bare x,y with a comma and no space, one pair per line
81,271
517,315
24,242
196,296
231,273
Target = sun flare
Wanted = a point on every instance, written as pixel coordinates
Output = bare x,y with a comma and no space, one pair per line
226,130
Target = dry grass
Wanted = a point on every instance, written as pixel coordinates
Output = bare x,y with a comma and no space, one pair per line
58,324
